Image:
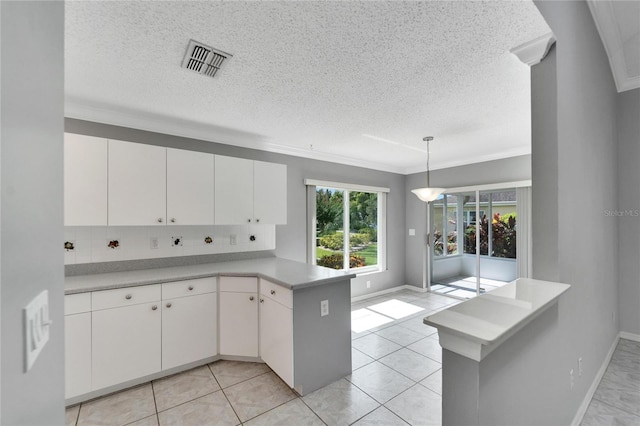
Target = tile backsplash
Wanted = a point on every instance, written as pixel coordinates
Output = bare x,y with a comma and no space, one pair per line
91,244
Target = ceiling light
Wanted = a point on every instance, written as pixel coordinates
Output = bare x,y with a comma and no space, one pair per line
428,194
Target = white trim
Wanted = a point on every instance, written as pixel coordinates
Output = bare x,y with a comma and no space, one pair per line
577,419
630,336
534,51
387,291
490,186
607,25
347,186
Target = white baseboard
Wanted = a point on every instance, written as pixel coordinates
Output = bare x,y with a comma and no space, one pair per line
387,291
629,336
596,381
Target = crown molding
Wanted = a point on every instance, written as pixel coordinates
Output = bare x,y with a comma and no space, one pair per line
117,116
534,51
607,25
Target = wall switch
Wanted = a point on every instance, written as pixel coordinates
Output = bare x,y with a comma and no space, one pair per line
36,327
412,232
176,241
233,239
324,308
153,243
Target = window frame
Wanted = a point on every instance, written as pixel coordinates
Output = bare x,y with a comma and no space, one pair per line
347,188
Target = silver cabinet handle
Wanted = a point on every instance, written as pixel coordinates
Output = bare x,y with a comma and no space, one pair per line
169,305
128,297
251,298
173,220
154,307
273,292
190,287
159,220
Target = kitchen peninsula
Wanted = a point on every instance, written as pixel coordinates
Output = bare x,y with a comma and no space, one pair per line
126,328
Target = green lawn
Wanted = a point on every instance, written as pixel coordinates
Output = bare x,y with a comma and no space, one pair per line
370,253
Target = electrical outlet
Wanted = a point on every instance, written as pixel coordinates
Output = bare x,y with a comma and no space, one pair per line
580,367
324,308
368,284
36,327
571,378
233,239
153,243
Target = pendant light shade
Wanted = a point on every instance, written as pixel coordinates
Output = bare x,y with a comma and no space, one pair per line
428,194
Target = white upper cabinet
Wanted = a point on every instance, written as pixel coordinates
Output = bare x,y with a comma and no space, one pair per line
137,184
190,187
270,193
234,190
250,191
85,180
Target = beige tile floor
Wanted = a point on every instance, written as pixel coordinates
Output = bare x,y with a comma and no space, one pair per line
396,380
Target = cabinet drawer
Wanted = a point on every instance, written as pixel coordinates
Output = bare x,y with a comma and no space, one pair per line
188,288
239,284
125,296
77,303
276,292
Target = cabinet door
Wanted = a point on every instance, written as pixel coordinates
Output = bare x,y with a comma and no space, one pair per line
77,354
239,324
137,184
190,188
234,190
125,343
276,338
189,329
85,180
270,193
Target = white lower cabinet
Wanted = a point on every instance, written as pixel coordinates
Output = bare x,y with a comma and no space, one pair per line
189,329
276,332
77,344
239,316
125,343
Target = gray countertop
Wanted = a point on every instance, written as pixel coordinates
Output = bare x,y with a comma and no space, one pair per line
287,273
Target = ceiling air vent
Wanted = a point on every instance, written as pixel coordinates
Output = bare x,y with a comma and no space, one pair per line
204,59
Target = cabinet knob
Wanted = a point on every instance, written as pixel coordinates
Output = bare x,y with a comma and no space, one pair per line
249,220
168,305
251,298
261,300
128,297
257,220
159,220
154,307
173,220
190,287
273,292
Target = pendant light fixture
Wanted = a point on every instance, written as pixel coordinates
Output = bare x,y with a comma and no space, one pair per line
428,194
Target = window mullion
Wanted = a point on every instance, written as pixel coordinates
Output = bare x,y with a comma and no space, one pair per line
346,226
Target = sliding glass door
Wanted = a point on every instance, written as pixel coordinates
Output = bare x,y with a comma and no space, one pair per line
472,243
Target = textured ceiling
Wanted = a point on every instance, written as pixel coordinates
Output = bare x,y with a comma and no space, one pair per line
354,82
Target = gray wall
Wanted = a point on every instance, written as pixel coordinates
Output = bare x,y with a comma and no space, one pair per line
291,239
32,81
505,170
526,380
629,199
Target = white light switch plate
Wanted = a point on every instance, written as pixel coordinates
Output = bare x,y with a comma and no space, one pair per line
36,327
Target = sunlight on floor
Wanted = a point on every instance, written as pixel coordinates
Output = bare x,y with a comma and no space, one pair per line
381,313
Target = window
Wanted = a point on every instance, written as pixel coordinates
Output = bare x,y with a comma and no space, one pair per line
348,230
499,239
445,226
